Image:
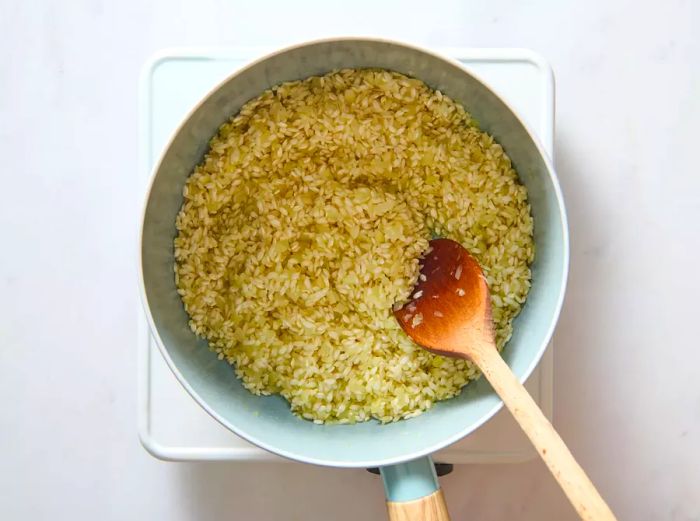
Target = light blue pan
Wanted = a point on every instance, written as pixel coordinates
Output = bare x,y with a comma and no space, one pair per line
402,449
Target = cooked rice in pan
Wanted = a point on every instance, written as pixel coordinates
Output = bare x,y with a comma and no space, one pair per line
306,221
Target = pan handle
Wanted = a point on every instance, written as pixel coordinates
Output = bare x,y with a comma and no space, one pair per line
412,491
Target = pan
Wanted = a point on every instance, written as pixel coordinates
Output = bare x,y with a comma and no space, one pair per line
401,450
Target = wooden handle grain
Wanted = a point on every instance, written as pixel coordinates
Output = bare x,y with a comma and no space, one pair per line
428,508
573,480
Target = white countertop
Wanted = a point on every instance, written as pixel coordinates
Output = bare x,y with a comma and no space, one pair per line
627,395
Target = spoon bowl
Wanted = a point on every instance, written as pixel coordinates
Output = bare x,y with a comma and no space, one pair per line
451,307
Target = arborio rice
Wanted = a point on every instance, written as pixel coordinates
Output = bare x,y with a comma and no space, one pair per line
306,222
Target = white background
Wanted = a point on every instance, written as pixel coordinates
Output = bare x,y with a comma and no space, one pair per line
627,367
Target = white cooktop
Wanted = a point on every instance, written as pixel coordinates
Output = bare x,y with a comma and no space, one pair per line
171,424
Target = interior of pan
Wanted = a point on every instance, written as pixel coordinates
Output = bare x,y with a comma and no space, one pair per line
267,421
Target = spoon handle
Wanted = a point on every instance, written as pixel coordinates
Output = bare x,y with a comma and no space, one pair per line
571,477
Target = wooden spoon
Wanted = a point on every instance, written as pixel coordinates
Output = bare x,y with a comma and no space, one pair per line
450,315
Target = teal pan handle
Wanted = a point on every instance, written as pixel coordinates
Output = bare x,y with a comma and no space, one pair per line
412,491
